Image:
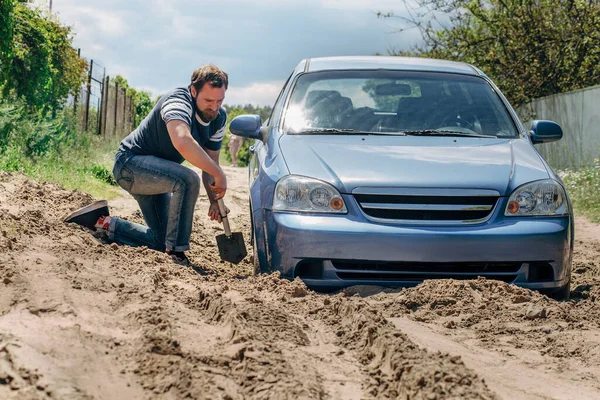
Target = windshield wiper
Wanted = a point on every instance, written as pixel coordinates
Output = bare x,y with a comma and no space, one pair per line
329,131
444,132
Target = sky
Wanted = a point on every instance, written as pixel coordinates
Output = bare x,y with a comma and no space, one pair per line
156,44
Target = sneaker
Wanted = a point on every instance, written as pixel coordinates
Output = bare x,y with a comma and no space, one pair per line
179,257
88,216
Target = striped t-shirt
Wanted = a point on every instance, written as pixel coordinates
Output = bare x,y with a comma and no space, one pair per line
152,138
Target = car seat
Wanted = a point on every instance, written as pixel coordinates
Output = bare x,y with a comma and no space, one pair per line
326,108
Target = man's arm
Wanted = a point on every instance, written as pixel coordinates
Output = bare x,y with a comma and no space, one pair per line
207,179
185,144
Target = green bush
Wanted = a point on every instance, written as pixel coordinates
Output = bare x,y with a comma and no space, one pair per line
34,136
54,149
583,188
37,61
103,174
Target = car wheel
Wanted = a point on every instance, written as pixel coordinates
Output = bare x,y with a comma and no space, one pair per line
255,259
562,294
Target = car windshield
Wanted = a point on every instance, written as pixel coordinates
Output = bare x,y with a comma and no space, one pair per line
396,103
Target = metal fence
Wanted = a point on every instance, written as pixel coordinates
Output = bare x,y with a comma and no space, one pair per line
578,113
101,106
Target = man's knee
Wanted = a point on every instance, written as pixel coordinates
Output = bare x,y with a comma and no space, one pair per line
190,182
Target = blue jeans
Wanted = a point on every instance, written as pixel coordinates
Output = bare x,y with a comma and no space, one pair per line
166,192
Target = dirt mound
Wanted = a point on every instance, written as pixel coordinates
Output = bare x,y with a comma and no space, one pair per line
561,336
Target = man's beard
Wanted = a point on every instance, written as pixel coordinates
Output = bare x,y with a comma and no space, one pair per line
207,115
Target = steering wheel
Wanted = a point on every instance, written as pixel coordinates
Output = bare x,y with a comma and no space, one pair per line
456,122
460,122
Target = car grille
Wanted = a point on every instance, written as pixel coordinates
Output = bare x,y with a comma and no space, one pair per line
449,206
419,271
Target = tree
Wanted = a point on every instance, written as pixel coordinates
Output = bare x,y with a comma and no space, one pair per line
37,60
530,49
143,104
6,35
121,82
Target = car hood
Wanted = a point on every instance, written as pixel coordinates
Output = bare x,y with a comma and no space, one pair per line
351,161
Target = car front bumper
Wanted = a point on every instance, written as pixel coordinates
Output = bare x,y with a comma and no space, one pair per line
334,251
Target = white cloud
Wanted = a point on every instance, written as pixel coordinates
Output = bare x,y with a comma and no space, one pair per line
158,43
260,94
375,5
95,20
339,4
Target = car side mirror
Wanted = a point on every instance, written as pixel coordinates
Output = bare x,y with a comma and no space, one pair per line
246,126
545,132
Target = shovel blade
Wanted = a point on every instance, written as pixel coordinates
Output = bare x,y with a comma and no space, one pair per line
232,249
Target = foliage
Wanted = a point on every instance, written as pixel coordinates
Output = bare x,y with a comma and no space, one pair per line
102,173
142,100
54,149
530,49
121,82
232,112
583,187
143,104
41,65
6,35
29,134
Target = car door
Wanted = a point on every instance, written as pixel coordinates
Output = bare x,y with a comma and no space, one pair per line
263,151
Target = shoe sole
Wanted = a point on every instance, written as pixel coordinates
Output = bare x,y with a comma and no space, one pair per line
84,210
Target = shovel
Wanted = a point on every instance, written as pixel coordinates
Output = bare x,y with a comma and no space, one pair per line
231,245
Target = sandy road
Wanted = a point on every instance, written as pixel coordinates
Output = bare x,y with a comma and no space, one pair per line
83,319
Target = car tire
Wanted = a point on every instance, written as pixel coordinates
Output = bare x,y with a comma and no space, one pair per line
255,259
562,294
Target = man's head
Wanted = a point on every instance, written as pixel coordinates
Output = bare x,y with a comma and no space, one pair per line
208,85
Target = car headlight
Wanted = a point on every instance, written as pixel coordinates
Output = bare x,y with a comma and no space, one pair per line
539,198
298,193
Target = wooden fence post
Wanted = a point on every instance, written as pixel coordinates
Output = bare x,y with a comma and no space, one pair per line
89,91
101,110
132,125
104,115
124,125
116,107
76,99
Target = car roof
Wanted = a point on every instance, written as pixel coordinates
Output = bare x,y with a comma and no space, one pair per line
388,62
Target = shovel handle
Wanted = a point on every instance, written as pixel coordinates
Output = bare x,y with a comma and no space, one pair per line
223,213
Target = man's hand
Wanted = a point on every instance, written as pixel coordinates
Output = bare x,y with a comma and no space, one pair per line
214,214
218,186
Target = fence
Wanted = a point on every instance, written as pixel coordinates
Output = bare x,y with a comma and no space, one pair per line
101,106
578,113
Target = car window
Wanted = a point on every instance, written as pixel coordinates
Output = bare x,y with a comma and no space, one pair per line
396,101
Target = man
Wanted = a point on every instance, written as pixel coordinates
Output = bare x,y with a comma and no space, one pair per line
187,123
235,142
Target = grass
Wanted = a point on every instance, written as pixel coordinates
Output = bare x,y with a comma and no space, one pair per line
583,187
87,170
55,150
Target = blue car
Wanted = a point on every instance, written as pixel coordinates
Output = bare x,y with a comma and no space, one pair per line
391,170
